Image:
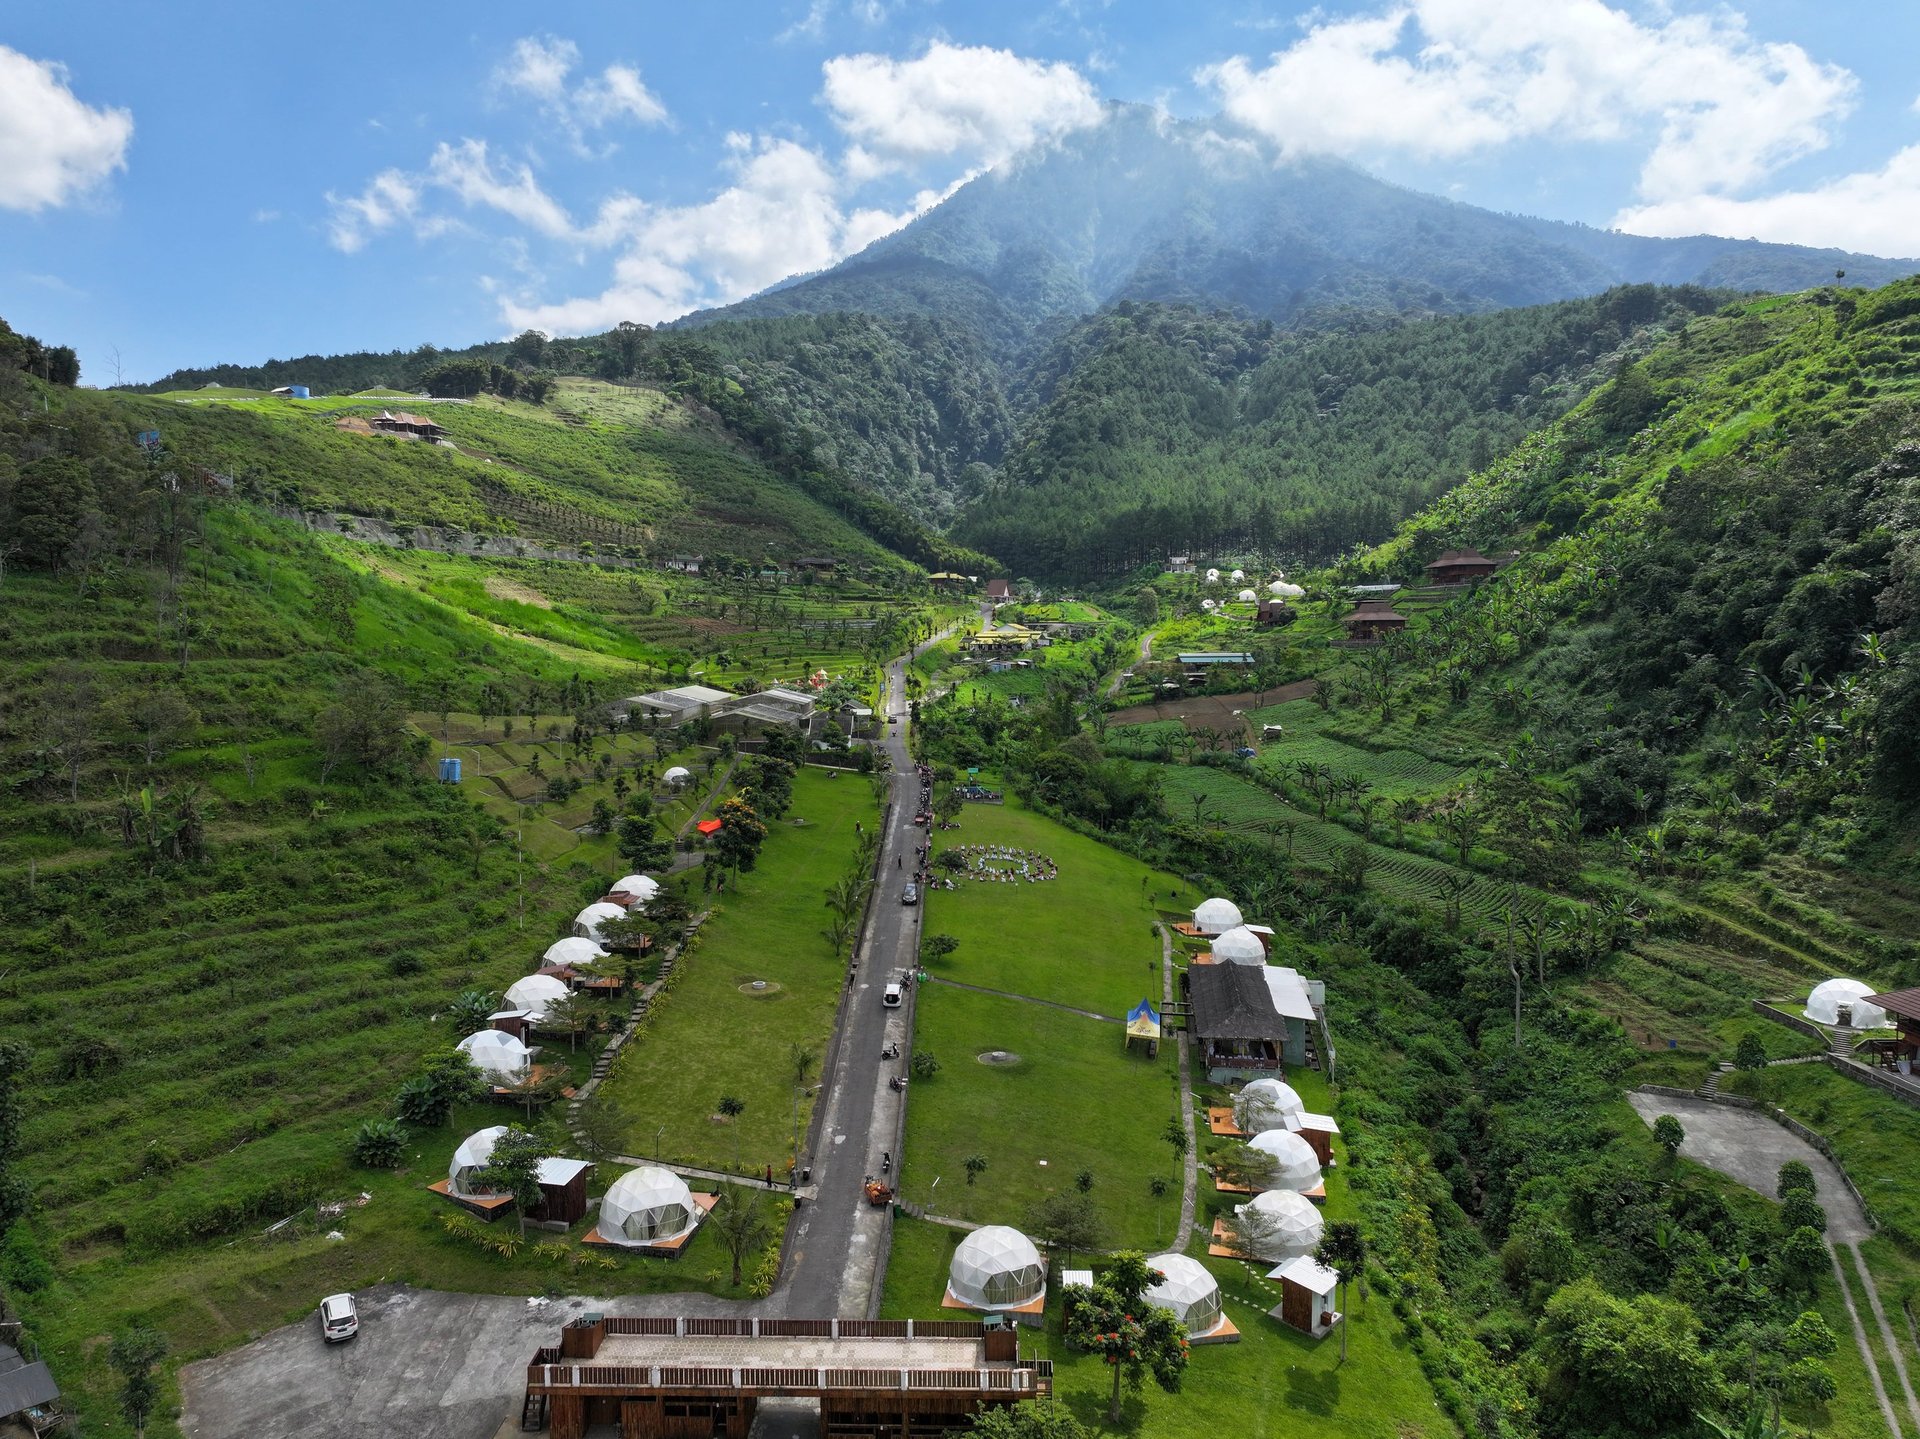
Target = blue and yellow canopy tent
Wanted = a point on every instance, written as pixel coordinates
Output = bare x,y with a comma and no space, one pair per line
1143,1023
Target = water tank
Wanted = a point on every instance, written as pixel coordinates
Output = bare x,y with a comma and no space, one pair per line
450,770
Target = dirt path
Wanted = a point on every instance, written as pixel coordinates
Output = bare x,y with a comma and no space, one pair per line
1190,1181
1748,1147
1213,711
1146,653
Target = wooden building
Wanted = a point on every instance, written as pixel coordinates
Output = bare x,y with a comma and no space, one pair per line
704,1378
1275,612
1903,1008
1306,1296
417,427
999,590
1232,1016
1461,567
1373,620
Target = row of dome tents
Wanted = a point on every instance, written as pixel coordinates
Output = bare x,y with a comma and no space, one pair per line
648,1208
998,1270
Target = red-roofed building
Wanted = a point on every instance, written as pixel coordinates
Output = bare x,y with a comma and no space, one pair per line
708,826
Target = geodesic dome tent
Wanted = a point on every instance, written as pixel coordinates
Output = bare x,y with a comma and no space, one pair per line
639,888
1247,597
572,950
1213,577
1281,1224
996,1268
1207,605
474,1151
496,1052
1189,1290
676,777
1282,589
587,923
1237,575
1239,945
648,1205
1216,916
534,994
1266,1104
1295,1165
1823,1005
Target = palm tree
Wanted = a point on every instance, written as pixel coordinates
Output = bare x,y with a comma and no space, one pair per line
740,1225
732,1107
800,1066
1344,1252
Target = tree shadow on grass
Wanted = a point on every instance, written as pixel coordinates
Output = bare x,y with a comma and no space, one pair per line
1316,1393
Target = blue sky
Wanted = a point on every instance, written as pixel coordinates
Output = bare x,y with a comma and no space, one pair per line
236,182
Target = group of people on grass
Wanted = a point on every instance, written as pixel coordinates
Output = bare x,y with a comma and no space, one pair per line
999,864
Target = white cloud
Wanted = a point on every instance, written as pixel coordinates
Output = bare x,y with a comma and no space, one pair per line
783,214
966,102
468,171
54,146
1447,78
541,67
1877,212
390,198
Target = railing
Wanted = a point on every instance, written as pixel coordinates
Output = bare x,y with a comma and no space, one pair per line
543,1376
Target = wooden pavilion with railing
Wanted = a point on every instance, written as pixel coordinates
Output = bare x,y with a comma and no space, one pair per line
703,1378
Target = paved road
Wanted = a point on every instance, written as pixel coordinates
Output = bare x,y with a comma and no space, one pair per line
427,1365
1746,1145
433,1365
839,1242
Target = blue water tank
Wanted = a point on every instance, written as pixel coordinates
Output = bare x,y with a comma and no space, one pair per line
300,393
450,771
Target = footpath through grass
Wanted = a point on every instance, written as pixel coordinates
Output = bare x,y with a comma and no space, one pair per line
712,1034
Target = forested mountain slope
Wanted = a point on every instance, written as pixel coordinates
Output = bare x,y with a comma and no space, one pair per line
1146,208
1153,429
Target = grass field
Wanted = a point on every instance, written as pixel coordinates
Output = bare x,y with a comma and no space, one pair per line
710,1038
1085,939
206,1302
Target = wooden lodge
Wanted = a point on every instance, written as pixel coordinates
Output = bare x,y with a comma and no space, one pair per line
999,590
1373,620
1232,1016
1903,1008
704,1378
1275,612
415,427
1461,567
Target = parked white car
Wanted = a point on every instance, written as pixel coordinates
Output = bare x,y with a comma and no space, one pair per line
339,1318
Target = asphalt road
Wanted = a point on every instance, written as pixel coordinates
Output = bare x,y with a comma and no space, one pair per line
433,1365
836,1263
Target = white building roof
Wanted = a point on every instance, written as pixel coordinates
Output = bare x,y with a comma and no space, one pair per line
1289,991
1295,1165
535,993
647,1205
1266,1104
679,774
1281,1224
557,1171
573,950
1308,1273
589,920
1239,945
1216,916
496,1051
1823,1005
642,887
996,1268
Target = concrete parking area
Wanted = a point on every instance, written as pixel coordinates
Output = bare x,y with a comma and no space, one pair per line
425,1365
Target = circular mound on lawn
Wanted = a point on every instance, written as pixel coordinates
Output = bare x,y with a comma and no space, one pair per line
998,1058
760,988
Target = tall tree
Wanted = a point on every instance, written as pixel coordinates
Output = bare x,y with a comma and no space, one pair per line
133,1353
1113,1320
513,1168
740,1226
1344,1252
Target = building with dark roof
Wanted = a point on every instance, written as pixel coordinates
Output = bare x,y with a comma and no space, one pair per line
27,1393
1373,620
1231,1014
1461,567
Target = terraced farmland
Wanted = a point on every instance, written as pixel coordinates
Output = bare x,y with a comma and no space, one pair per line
1393,773
1234,803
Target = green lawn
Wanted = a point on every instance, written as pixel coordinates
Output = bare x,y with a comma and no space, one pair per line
711,1038
206,1300
1085,939
1273,1382
1077,1101
1875,1137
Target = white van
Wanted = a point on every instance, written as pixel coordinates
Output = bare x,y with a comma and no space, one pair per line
890,996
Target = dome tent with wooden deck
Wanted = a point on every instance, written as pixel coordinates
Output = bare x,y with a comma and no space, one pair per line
563,1183
999,1270
651,1210
686,1378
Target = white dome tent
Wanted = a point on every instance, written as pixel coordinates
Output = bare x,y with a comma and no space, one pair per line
1280,1225
1216,916
1189,1290
571,951
1295,1165
535,994
1281,589
639,888
1207,605
498,1053
474,1151
1237,576
1213,577
996,1268
679,777
587,923
1823,1005
1247,597
1266,1104
648,1205
1239,945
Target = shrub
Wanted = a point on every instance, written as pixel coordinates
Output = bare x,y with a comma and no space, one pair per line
22,1265
380,1144
1795,1178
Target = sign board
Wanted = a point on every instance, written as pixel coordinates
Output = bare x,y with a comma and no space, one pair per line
148,439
